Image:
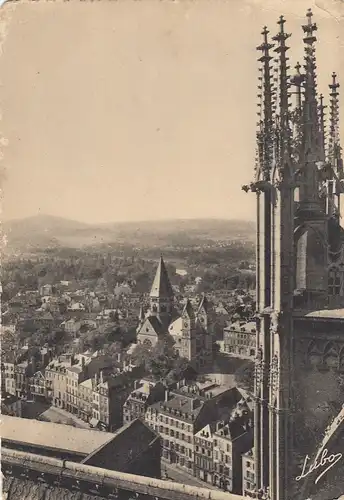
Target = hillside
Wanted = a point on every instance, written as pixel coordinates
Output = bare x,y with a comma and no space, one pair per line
45,231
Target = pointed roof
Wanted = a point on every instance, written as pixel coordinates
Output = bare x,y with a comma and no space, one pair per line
203,304
188,309
161,285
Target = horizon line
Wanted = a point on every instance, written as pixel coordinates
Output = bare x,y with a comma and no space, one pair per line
130,221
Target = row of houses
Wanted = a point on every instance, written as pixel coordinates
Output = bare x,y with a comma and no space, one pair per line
91,385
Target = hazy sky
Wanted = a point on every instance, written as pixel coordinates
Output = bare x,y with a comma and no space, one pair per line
140,110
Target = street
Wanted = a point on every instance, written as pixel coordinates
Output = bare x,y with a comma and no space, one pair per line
180,476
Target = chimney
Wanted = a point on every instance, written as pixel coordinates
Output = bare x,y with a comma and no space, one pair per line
95,380
166,395
83,362
101,376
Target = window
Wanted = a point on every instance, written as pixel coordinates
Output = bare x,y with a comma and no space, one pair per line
334,282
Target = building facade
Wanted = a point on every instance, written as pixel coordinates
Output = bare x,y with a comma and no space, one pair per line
300,301
239,339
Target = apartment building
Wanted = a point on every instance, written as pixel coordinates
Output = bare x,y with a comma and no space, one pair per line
240,339
203,453
230,440
248,474
183,413
145,393
108,397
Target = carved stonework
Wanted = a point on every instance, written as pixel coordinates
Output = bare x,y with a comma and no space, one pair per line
274,374
258,375
275,320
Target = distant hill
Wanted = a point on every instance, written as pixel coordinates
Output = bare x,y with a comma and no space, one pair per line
44,231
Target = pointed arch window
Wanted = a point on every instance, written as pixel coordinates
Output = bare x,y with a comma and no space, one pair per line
334,281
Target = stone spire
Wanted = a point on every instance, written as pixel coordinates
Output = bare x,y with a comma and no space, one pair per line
322,131
265,134
161,287
309,185
296,81
161,295
334,149
283,150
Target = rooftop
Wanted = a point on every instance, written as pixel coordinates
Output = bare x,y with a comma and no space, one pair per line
53,436
249,327
326,313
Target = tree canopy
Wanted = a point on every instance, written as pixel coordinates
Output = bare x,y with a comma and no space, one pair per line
162,361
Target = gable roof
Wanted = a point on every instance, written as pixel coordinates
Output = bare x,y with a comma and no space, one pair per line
153,325
161,286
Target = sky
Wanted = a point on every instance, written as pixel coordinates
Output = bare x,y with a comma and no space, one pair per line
140,110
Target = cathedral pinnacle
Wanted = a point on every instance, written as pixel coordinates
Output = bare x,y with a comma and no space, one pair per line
334,149
284,132
265,132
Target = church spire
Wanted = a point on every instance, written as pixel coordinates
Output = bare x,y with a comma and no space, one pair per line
161,287
161,295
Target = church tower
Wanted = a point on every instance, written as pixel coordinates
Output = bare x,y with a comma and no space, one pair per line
202,313
292,260
189,333
161,295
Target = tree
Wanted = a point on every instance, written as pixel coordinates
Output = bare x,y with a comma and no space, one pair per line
162,360
141,354
244,376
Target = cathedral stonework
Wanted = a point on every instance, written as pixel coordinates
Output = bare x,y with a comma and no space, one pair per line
299,367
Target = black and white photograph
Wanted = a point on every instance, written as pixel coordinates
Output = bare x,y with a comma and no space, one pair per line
172,249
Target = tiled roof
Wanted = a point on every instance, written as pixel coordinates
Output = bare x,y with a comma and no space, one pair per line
53,436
